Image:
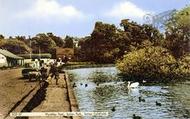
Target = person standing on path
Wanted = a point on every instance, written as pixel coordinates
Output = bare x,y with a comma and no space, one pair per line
43,74
54,72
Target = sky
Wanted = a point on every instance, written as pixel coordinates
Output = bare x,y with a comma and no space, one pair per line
75,17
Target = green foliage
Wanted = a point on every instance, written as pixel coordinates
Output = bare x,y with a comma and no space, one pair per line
150,63
178,33
15,46
58,41
69,42
183,69
108,43
42,43
100,47
1,37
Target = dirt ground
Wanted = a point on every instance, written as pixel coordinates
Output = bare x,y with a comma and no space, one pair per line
12,88
49,98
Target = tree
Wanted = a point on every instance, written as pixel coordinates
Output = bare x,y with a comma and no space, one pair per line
42,43
15,46
178,33
138,33
1,36
69,42
58,41
183,68
98,47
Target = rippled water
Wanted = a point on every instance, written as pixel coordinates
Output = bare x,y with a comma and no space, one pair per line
174,99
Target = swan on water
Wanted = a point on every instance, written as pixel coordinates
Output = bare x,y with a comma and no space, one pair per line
133,85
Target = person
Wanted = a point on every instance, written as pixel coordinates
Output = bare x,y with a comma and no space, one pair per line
54,72
43,74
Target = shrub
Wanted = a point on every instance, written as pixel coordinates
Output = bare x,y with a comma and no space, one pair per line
153,64
183,69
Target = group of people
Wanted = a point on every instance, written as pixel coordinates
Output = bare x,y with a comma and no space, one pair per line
51,70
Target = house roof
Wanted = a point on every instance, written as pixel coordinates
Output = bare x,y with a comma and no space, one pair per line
8,54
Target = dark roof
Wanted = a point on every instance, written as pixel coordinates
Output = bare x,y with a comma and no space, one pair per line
8,54
35,56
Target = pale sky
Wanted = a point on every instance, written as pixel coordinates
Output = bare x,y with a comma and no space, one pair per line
74,17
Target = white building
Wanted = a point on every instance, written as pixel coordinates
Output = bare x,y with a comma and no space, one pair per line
3,61
8,59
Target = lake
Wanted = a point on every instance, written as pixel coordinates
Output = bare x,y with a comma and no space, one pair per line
114,97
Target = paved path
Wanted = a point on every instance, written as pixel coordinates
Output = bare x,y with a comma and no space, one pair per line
56,99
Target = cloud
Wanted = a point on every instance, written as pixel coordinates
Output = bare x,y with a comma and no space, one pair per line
51,9
126,9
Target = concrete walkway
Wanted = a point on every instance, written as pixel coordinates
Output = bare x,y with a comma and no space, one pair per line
56,100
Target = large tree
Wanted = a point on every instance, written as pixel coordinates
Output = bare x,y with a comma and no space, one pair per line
42,43
69,42
100,47
178,33
58,40
139,33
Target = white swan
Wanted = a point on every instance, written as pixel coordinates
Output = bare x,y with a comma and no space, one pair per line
132,85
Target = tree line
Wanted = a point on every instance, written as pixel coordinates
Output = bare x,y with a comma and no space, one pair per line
41,43
107,43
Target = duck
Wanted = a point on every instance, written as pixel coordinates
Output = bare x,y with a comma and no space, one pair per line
113,109
74,85
144,81
186,116
86,85
81,84
141,99
158,104
132,85
136,117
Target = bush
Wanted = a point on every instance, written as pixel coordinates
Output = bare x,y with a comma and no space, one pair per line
183,69
153,64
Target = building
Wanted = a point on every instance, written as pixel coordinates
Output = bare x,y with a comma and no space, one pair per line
35,60
64,52
8,59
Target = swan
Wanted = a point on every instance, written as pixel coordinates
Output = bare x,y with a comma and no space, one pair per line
132,85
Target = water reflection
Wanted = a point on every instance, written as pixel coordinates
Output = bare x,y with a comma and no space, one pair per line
175,99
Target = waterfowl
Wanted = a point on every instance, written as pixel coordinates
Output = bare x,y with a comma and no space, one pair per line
144,81
132,85
141,99
113,109
81,84
158,104
136,117
86,85
186,116
74,85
